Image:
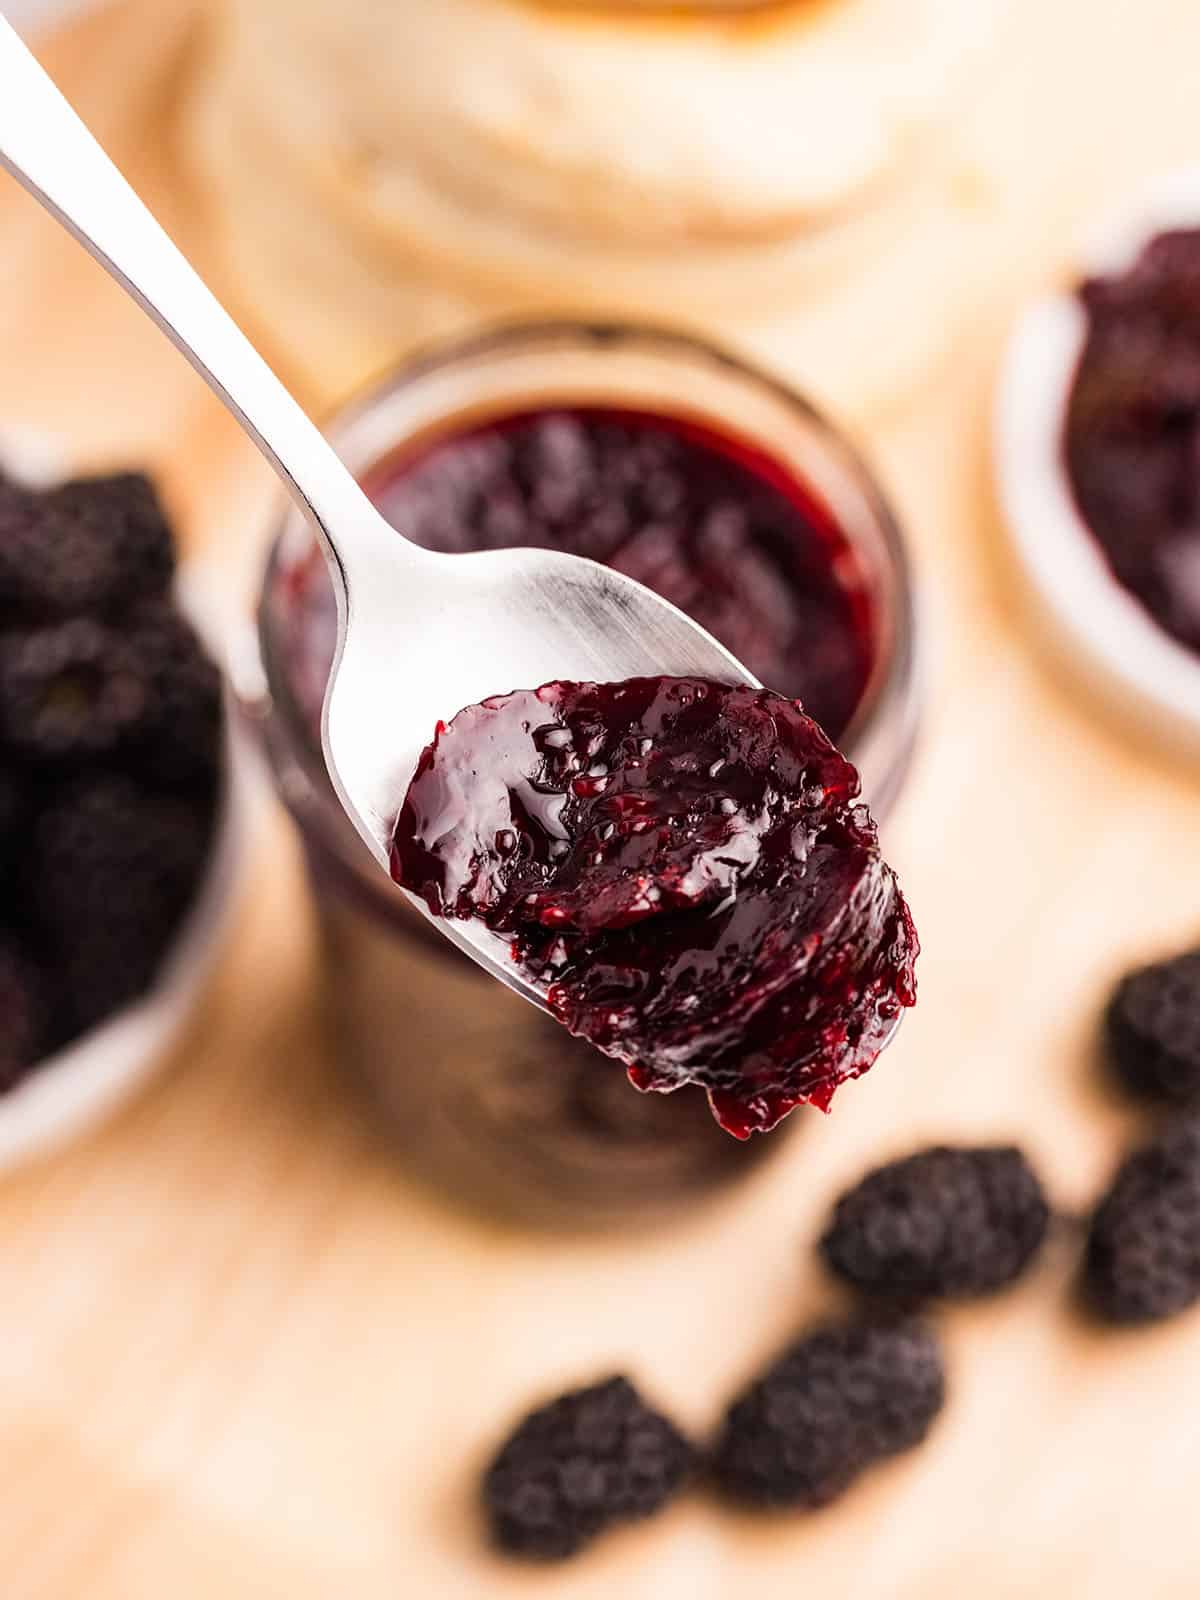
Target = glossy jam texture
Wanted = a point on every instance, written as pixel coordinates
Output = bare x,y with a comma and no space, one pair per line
1132,440
681,866
721,530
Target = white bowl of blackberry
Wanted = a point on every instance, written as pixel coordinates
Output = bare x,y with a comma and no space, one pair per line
119,820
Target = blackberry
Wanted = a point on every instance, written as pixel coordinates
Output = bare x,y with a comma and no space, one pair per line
69,692
1152,1028
22,1015
846,1396
953,1222
590,1459
82,548
1142,1261
179,740
111,872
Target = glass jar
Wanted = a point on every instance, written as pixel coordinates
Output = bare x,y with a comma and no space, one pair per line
479,1091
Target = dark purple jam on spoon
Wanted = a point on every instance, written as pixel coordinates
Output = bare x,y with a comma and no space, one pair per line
1132,440
682,868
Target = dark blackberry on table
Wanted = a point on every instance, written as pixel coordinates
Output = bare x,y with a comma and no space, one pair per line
69,692
23,1016
1152,1028
86,547
111,871
588,1460
844,1397
944,1221
1142,1261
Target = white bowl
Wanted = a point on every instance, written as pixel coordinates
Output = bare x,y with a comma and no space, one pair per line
1109,633
73,1090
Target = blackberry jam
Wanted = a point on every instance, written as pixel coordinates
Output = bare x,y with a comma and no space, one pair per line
714,525
728,495
1132,436
681,867
709,522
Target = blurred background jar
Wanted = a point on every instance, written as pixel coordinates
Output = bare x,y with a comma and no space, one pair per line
479,1092
808,179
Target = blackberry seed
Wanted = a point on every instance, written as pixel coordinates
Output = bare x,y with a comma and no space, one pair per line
69,692
590,1459
1142,1261
941,1222
1152,1027
846,1396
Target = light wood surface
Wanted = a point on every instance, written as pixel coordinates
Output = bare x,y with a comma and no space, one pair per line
241,1356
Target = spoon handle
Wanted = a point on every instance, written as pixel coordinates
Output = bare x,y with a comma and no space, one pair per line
45,146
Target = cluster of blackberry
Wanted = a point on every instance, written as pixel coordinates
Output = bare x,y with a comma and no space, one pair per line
110,757
954,1222
944,1223
847,1394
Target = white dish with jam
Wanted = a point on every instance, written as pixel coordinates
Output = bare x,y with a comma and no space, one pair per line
1103,625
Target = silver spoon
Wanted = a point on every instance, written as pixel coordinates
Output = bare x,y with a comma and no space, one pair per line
420,635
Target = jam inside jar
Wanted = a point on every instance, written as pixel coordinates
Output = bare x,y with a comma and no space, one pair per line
715,487
706,520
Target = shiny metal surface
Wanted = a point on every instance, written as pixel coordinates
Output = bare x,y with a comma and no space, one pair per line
420,635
